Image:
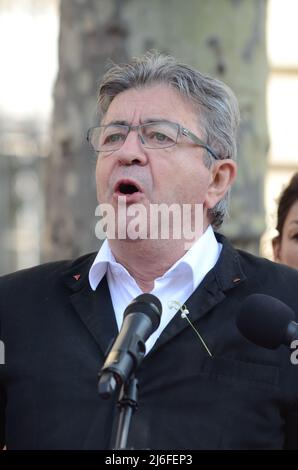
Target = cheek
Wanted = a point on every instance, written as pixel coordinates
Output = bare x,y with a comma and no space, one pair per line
101,179
185,181
193,184
289,253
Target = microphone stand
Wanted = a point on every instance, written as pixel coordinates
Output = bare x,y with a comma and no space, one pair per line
127,403
141,318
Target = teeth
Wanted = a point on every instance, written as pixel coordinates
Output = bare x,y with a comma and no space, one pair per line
128,188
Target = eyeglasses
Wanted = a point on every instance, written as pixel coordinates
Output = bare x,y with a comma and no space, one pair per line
153,135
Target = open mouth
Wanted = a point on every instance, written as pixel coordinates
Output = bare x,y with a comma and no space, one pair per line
126,188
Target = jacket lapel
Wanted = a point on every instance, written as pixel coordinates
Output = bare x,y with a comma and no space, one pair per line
226,275
93,307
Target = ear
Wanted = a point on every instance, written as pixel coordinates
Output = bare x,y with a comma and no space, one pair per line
222,175
276,248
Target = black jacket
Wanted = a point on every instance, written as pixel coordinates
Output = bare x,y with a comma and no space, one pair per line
56,332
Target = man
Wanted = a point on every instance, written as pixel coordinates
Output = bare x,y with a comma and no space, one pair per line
167,135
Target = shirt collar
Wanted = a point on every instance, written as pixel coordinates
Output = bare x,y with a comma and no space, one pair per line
200,258
99,266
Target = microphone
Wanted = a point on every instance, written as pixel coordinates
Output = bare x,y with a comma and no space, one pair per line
267,321
141,318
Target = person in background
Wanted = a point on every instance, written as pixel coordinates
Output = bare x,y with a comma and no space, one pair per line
285,244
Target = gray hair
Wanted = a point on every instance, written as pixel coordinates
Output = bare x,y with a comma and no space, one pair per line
215,102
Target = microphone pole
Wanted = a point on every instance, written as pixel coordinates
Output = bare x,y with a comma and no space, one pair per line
128,403
141,318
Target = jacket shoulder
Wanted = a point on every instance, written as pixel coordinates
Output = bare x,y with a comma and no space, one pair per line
270,278
266,267
46,272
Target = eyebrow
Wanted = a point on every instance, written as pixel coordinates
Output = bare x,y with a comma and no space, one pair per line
146,121
116,123
294,222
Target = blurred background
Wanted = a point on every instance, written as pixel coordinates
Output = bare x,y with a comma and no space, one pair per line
53,54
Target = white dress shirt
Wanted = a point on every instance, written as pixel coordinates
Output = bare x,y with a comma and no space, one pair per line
176,285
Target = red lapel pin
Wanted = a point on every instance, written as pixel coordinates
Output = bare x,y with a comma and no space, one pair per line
77,277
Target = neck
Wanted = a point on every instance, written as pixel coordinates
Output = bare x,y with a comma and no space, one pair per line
146,260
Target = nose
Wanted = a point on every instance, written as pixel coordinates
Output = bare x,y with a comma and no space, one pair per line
132,150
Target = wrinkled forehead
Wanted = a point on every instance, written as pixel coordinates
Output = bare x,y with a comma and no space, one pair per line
157,101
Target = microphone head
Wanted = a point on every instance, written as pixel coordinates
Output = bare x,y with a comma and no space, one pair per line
264,320
149,305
